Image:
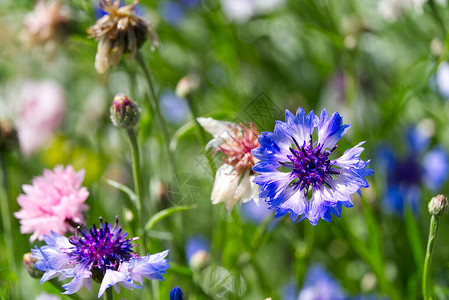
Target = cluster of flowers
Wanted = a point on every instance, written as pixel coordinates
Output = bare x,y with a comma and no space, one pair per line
289,169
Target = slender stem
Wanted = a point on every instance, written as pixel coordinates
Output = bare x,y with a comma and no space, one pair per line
6,218
138,182
109,295
201,135
426,282
154,103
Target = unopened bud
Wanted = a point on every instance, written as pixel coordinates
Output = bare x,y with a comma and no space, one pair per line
124,112
176,293
187,85
28,263
438,205
8,136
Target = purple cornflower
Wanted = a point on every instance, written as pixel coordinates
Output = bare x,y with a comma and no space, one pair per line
103,254
297,175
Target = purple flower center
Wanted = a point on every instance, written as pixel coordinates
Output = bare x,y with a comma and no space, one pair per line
102,248
310,166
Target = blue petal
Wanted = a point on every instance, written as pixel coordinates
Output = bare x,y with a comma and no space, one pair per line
330,130
436,168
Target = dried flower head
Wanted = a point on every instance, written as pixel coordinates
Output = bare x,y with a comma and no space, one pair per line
46,24
54,202
120,31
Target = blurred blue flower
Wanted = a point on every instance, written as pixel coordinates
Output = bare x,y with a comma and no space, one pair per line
174,109
290,291
176,293
172,12
406,175
291,163
103,254
320,285
197,251
442,79
256,213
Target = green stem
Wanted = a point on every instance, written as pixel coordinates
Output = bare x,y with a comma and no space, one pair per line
138,182
108,294
155,107
426,282
374,261
201,135
6,214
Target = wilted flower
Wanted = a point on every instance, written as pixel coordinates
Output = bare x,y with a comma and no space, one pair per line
124,112
103,254
292,165
41,112
120,31
320,285
45,25
406,175
176,293
54,202
233,180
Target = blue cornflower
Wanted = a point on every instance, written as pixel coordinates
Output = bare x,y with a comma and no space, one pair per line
297,175
320,285
176,293
405,175
103,254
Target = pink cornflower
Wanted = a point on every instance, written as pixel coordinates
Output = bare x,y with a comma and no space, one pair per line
55,202
233,180
41,112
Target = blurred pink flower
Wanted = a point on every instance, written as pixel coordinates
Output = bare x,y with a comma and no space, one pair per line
41,111
55,200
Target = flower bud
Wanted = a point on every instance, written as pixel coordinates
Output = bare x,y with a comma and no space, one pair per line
438,205
176,293
28,263
124,112
8,136
187,85
197,252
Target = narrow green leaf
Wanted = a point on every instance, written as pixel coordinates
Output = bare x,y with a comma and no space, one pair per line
122,188
165,213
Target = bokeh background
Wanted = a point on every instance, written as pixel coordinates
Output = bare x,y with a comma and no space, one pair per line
381,64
